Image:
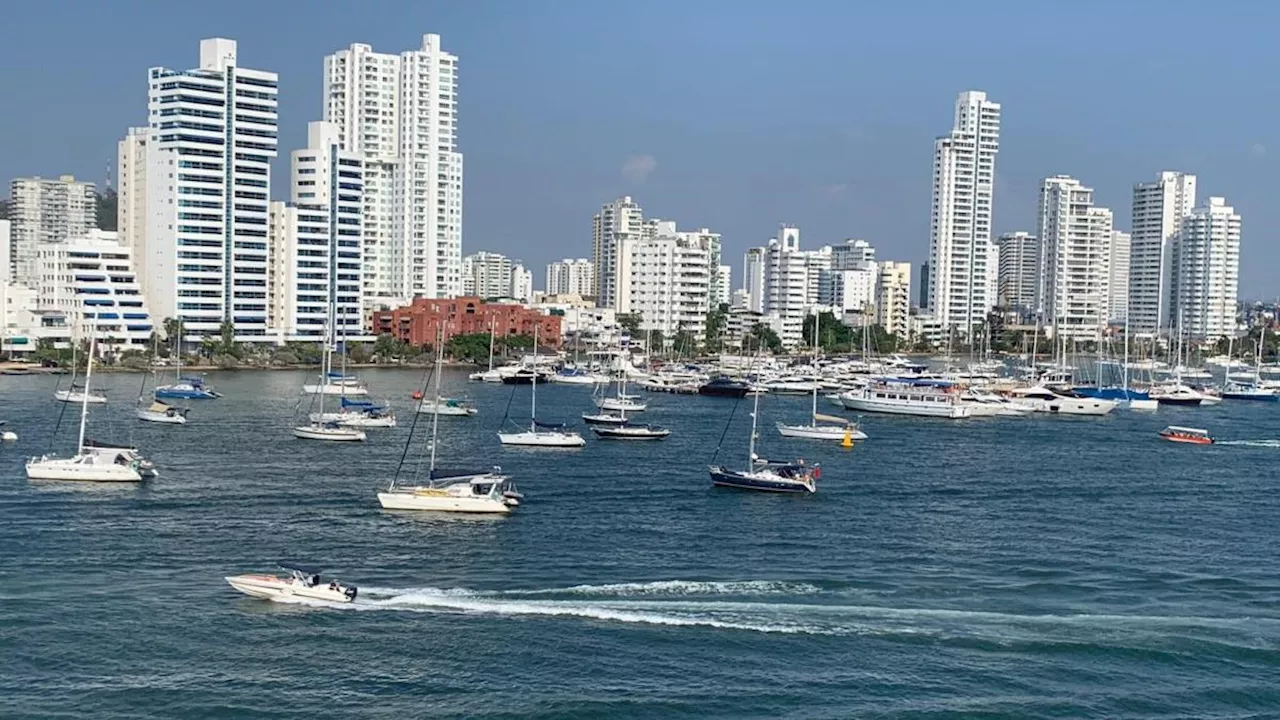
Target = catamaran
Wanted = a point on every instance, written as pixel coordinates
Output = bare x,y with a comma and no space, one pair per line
95,464
541,434
450,491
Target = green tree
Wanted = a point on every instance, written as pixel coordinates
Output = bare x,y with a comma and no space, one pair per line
515,342
764,336
358,353
472,347
684,342
631,323
384,348
833,335
656,341
106,203
717,321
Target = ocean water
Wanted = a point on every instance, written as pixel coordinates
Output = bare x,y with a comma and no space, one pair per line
999,567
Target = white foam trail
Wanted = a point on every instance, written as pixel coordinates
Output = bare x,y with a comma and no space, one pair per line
681,587
1250,443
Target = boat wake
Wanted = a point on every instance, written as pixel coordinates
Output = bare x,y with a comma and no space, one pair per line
785,608
1250,443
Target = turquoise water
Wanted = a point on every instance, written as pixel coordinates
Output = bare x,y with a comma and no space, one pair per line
1021,568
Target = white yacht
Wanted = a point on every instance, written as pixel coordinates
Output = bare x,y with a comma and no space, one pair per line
983,403
1042,399
78,394
297,584
902,396
1179,394
163,413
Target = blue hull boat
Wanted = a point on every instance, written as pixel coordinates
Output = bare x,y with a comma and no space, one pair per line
765,481
186,389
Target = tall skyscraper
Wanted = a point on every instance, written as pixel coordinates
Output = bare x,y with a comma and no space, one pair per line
962,259
1119,285
208,179
617,221
131,189
1019,271
666,279
571,276
753,278
790,291
401,113
487,275
521,289
1075,262
1206,271
46,211
893,298
1158,209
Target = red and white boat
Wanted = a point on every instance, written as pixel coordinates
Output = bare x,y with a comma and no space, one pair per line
1194,436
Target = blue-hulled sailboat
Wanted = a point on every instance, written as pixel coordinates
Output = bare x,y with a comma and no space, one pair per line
761,474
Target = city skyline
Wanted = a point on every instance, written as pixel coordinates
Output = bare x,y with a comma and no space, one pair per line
847,164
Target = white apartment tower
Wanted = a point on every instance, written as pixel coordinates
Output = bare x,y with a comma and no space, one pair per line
571,277
209,149
521,289
321,244
721,292
1119,285
400,112
788,290
1206,271
962,258
1019,271
852,254
487,275
92,279
893,298
616,222
131,191
46,211
667,279
1158,209
753,278
1075,241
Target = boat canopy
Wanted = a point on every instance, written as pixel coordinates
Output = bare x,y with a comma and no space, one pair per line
159,407
446,473
341,376
363,404
1186,430
830,418
192,380
549,426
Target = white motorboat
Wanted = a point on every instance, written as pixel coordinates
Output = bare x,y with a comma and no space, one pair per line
1042,399
576,376
631,432
791,386
448,407
79,395
329,431
298,584
162,413
337,384
92,464
1177,394
905,396
988,404
354,419
7,435
489,492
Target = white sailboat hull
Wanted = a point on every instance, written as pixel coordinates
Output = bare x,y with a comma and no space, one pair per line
440,500
338,434
350,419
335,389
162,418
619,405
86,468
444,410
69,396
1143,405
542,439
577,379
820,432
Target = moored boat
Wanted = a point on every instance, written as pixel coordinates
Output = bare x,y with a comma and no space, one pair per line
631,432
1189,435
724,387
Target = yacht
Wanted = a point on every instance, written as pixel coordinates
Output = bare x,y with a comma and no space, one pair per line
450,407
907,396
1177,394
724,387
336,383
162,413
791,386
186,388
468,492
988,404
298,584
576,376
1042,399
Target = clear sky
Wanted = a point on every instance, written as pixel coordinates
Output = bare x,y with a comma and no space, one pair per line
730,115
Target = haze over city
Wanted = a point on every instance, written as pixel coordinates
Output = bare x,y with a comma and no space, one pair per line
734,116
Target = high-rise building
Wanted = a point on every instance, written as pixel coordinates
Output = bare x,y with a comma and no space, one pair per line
486,275
893,298
401,113
1075,262
720,294
1119,285
962,259
208,180
316,243
92,280
923,300
131,188
666,279
852,254
1158,209
1205,272
789,292
6,250
45,211
1019,271
521,284
753,278
617,221
571,277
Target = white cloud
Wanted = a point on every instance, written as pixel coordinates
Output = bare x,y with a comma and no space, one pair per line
1258,150
637,168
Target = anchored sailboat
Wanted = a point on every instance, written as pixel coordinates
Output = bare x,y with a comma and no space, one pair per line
157,411
78,393
541,434
837,428
321,428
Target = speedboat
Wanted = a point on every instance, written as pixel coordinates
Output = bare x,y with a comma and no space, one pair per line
482,492
329,431
453,407
163,413
187,388
1177,394
1193,436
298,584
631,432
77,394
770,477
7,435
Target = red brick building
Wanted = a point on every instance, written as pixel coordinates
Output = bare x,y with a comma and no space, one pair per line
418,323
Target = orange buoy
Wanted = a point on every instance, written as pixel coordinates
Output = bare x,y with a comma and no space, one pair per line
417,395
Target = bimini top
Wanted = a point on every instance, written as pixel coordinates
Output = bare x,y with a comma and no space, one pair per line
1186,430
368,404
917,382
549,425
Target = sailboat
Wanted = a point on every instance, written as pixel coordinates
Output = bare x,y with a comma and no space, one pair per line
78,393
451,491
190,387
320,428
90,463
761,474
838,429
621,402
541,434
1251,389
333,382
490,375
157,411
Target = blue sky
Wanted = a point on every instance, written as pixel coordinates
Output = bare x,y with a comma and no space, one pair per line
748,113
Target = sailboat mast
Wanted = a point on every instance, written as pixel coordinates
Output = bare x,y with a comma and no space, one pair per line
84,401
533,398
492,326
817,318
751,444
435,416
1125,368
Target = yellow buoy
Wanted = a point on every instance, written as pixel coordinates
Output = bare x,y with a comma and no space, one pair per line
847,442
